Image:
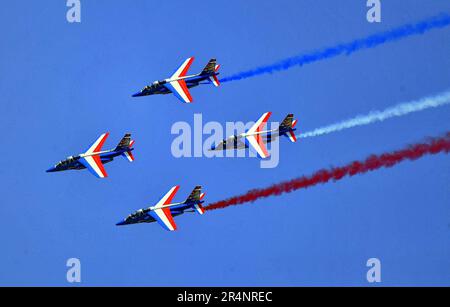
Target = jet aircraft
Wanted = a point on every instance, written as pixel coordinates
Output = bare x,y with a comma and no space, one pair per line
256,137
164,211
180,83
94,158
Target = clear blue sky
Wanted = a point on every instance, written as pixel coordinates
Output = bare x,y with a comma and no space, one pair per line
64,84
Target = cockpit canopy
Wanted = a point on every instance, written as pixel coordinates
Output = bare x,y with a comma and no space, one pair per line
68,160
138,213
154,85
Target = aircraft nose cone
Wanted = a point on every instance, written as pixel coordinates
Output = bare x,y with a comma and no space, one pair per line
120,223
51,170
137,94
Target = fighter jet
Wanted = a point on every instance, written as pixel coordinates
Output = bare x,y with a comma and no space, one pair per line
164,211
179,82
256,137
94,158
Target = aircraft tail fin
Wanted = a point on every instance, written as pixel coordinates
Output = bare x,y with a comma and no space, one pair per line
126,143
287,127
195,198
212,69
287,122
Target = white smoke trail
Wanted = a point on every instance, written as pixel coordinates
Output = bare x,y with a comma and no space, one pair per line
379,116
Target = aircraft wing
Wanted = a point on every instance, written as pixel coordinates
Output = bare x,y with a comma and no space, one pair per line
98,144
93,162
179,87
163,214
180,90
257,143
164,218
254,139
94,165
182,70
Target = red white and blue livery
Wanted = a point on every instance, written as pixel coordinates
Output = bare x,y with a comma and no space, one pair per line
94,157
164,211
180,83
257,137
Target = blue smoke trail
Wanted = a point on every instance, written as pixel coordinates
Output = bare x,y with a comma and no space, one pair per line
374,40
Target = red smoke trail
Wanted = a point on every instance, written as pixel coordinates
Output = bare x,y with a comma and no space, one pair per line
373,162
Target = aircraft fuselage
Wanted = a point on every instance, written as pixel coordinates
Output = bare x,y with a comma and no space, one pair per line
234,142
143,216
158,87
73,162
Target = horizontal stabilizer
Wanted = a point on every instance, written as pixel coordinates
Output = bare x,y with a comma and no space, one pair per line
291,136
214,80
199,209
128,155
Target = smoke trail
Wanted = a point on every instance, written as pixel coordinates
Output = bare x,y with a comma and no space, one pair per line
374,162
378,116
421,27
